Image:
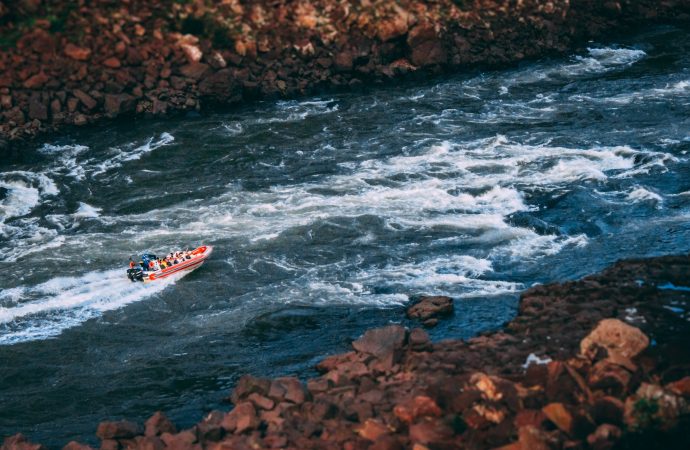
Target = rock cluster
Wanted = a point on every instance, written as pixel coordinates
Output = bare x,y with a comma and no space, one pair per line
72,63
429,309
612,371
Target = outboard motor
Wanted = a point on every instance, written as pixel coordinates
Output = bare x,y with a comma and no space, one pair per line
135,274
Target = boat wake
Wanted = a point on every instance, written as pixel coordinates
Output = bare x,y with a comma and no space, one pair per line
38,312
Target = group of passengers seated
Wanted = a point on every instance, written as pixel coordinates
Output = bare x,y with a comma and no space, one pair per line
158,263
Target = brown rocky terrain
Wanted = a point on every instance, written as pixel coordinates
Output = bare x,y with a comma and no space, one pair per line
73,63
598,363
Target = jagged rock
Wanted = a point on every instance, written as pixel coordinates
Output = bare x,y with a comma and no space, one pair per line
609,377
192,52
381,342
260,401
287,388
85,98
184,440
210,429
372,429
112,62
419,406
242,418
37,81
221,86
77,53
119,103
560,416
430,432
616,337
195,71
20,442
419,340
427,48
159,424
428,308
123,429
37,109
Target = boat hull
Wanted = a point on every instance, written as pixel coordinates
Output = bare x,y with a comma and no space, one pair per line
199,256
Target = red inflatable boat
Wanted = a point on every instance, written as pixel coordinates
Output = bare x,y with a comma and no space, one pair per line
151,270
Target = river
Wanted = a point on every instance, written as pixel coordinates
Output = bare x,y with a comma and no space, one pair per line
325,213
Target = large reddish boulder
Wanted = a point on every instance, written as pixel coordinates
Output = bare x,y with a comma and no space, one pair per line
159,424
381,342
221,86
617,337
288,389
77,53
428,309
123,429
426,46
242,418
419,406
20,442
248,384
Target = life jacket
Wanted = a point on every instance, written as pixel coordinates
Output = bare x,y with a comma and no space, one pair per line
150,264
131,264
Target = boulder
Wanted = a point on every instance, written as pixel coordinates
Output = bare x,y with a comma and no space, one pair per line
419,406
36,81
372,429
195,71
616,337
381,342
260,401
122,429
77,53
242,418
37,109
115,104
248,384
287,388
221,86
612,378
431,308
560,416
20,442
184,440
112,63
426,49
159,424
85,99
430,432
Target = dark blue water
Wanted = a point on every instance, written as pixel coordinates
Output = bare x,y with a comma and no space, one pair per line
326,214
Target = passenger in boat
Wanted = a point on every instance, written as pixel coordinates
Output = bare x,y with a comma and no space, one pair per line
152,266
131,264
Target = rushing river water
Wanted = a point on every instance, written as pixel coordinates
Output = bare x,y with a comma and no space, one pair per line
326,214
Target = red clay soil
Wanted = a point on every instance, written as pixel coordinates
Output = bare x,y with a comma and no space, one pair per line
598,363
76,62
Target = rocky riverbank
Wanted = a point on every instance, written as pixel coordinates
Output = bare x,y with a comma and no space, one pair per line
74,63
598,363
